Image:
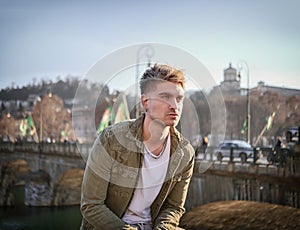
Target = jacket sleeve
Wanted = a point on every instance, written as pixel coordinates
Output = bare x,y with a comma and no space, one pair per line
94,189
173,207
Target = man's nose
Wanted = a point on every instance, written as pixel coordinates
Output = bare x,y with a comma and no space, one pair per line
174,104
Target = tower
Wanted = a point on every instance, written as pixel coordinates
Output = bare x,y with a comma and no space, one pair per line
231,83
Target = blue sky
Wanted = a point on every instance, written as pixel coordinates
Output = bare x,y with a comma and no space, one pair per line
46,39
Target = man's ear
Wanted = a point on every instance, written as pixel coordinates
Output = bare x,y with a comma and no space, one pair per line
145,101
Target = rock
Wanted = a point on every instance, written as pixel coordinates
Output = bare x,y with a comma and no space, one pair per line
38,189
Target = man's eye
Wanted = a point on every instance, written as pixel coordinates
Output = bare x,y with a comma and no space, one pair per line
179,99
166,97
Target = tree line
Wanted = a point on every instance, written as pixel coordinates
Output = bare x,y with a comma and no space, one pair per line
263,104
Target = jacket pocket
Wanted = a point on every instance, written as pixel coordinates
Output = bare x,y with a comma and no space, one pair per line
123,175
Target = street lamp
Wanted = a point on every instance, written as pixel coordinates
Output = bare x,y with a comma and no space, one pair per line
241,64
41,132
41,100
148,51
8,126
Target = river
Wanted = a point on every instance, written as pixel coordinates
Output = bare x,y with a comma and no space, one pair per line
21,217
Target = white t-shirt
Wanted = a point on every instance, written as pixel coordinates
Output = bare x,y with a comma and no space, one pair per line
150,181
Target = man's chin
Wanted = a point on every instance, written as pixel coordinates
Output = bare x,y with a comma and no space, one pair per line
171,123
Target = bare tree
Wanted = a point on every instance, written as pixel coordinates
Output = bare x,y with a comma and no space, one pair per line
8,128
263,104
52,120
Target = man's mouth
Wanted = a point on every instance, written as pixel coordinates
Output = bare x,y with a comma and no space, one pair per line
173,115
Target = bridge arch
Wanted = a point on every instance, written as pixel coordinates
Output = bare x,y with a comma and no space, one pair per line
67,189
13,173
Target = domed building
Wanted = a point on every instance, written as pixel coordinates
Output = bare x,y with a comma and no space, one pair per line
231,85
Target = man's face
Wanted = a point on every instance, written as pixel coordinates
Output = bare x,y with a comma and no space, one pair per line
164,103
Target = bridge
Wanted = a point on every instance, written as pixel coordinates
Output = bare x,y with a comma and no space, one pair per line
252,181
212,180
53,158
43,168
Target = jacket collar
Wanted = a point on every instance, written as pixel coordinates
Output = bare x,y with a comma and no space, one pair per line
135,133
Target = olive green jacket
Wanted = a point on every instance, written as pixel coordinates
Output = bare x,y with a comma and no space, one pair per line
112,172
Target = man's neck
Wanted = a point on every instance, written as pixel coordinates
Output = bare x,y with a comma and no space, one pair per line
155,135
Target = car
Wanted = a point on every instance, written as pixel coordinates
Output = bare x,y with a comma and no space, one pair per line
292,134
239,148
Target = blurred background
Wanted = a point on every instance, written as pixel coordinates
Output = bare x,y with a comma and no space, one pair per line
250,48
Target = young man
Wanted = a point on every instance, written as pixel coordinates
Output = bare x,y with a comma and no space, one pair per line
138,171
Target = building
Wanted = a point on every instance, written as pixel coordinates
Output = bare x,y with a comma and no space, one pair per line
231,85
262,88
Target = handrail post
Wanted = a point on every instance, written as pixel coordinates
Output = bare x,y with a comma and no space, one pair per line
231,155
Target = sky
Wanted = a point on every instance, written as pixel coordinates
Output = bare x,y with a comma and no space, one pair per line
47,39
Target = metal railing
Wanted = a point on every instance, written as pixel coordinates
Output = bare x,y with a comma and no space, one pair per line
261,156
63,149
